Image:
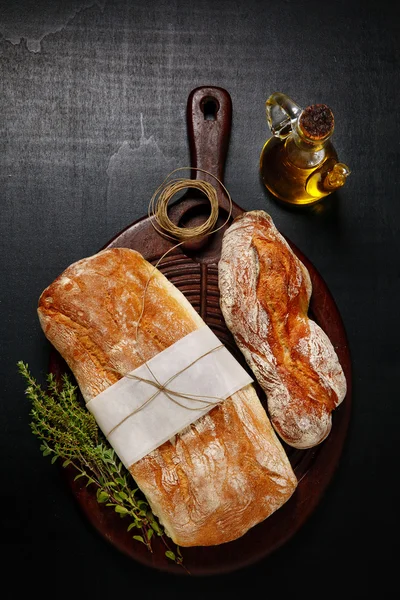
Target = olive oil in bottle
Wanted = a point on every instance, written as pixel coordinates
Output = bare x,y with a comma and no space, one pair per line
299,164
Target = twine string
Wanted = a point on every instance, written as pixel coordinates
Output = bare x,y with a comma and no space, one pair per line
158,213
171,394
158,206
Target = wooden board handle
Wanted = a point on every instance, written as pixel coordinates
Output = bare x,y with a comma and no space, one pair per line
209,121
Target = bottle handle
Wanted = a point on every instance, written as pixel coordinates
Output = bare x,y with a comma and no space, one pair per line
282,113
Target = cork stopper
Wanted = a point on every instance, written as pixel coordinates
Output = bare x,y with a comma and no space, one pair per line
316,122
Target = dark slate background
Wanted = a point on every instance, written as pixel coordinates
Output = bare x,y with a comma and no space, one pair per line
93,100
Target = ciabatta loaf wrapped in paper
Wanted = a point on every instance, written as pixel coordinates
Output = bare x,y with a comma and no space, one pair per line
220,475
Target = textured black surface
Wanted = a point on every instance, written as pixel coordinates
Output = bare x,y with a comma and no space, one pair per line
93,100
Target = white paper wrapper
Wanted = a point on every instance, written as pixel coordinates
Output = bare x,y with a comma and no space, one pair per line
215,376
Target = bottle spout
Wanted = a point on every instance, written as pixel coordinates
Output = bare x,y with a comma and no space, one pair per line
336,177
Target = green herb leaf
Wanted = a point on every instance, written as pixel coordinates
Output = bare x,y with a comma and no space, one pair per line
101,495
139,538
121,510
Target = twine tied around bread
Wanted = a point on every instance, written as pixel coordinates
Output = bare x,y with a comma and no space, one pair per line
171,394
158,209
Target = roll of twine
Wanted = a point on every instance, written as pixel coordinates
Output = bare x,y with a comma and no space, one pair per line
159,202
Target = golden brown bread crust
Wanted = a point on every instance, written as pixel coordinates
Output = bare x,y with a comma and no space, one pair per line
265,294
220,476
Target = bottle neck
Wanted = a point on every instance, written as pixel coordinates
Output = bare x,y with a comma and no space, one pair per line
304,153
306,144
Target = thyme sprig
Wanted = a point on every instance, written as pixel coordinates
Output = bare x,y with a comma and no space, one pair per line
69,432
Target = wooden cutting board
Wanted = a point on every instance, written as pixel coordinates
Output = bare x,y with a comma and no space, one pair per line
194,271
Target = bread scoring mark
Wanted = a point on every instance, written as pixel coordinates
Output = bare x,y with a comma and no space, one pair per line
324,360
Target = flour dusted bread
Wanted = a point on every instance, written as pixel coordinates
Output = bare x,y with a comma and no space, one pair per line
265,293
220,476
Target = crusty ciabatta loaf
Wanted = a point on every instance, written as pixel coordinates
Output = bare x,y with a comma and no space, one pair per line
265,293
220,476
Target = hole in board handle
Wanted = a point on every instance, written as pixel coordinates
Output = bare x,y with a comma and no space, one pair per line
210,107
